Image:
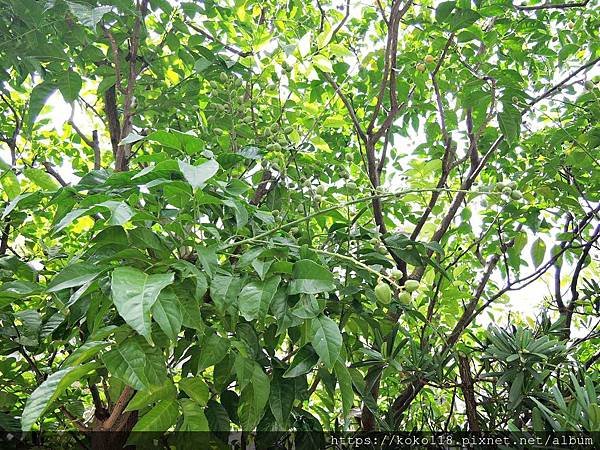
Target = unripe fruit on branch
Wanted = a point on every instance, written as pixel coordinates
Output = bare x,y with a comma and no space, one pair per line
429,59
223,77
506,190
275,213
421,67
516,195
320,189
383,292
396,274
590,85
411,285
351,185
404,298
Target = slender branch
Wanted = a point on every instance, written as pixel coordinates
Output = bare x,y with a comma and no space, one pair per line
565,80
343,21
467,387
50,169
238,52
348,106
74,420
552,6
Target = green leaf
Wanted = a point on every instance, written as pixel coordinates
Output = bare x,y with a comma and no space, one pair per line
88,16
41,178
326,340
256,297
345,383
213,349
196,389
167,313
462,18
281,400
69,84
516,387
152,394
37,100
538,251
509,120
42,398
194,418
134,293
136,363
10,184
74,275
255,386
323,63
308,277
303,362
443,10
224,291
197,176
83,353
159,418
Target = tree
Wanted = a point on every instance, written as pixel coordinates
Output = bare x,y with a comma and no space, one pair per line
296,216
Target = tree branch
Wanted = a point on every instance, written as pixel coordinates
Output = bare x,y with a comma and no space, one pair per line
238,52
552,6
119,407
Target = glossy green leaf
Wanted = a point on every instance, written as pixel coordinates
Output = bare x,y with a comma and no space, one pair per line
134,293
48,391
326,340
255,298
309,277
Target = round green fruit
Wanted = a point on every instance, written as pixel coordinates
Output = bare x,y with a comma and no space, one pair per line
506,190
321,189
223,77
516,195
351,185
411,285
404,298
429,59
421,67
275,213
396,274
383,292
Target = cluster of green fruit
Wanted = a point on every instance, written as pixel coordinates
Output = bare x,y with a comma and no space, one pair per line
277,135
383,291
235,105
509,189
421,67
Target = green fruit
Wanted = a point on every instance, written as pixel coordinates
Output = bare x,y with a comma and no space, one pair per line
396,274
516,195
382,250
320,189
411,285
512,185
404,298
223,77
351,185
275,213
506,190
590,85
318,198
383,292
238,82
421,67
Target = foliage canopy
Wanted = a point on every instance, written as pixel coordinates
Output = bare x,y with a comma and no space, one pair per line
298,215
